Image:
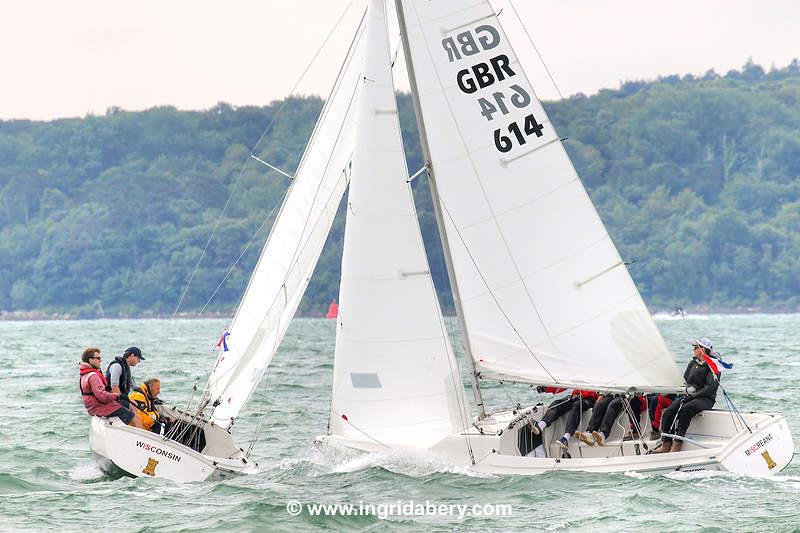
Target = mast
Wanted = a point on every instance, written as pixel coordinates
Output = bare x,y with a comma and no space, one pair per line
423,139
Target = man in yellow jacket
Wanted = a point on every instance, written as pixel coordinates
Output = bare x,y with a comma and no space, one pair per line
144,397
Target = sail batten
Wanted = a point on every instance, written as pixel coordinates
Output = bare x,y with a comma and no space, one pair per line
544,293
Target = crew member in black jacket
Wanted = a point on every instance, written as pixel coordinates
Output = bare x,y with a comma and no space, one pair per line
701,393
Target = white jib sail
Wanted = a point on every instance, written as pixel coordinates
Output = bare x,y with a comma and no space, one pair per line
292,249
546,297
395,380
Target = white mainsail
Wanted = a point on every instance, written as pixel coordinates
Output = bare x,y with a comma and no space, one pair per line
292,249
545,295
395,380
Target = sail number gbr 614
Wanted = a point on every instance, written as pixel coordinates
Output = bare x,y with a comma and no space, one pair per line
490,73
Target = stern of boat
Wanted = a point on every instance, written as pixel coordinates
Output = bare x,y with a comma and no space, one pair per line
764,449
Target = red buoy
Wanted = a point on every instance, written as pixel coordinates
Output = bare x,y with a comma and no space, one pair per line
333,310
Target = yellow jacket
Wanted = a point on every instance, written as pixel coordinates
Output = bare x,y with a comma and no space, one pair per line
141,398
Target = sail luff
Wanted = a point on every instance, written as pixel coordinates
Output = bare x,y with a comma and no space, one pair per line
423,137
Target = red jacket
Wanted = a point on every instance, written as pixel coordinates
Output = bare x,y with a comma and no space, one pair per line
96,399
588,394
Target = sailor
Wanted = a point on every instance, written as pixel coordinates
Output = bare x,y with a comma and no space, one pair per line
605,414
572,406
656,404
97,400
118,372
145,398
701,393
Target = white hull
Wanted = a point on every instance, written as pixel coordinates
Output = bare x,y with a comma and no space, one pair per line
717,444
141,453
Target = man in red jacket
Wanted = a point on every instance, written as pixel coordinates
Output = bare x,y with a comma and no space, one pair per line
96,399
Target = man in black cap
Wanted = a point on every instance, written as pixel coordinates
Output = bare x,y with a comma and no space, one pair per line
118,373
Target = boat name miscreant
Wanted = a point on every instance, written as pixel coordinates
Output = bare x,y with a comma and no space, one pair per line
158,451
759,444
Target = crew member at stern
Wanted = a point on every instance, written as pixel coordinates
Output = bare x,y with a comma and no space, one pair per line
701,393
96,399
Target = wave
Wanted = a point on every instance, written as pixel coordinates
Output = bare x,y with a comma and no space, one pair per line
11,484
330,457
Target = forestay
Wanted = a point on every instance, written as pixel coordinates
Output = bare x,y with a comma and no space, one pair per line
395,380
545,295
292,249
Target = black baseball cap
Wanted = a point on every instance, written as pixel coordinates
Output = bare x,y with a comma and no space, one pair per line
133,350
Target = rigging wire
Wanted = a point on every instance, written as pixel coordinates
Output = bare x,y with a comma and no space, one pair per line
530,39
334,91
501,233
455,374
247,247
492,294
252,151
261,420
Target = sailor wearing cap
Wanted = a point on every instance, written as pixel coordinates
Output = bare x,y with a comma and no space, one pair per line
701,393
118,372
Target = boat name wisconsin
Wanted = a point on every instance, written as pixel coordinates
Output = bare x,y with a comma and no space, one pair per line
158,451
759,444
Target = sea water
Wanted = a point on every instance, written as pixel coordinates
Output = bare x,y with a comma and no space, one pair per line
49,481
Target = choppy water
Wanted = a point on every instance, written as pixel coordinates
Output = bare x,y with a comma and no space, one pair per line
49,481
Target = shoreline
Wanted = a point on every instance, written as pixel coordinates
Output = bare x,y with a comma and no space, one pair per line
32,316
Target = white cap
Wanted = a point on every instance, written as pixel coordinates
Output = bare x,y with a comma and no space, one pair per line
705,342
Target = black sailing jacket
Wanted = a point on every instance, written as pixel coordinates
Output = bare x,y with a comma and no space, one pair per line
700,376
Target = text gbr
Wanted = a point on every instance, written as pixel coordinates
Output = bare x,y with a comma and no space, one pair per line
487,73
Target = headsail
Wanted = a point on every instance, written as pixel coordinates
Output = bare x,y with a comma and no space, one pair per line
545,295
395,380
292,250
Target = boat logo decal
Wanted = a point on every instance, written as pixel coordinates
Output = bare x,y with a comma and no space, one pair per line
770,463
152,448
758,445
150,469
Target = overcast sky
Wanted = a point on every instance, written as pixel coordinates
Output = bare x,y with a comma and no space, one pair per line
69,58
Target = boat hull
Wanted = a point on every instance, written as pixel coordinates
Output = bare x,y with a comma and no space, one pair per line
141,453
718,441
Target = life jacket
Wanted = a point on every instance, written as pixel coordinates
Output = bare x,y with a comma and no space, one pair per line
144,401
88,370
124,377
141,396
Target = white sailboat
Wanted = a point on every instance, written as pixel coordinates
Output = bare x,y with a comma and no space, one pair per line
203,447
541,293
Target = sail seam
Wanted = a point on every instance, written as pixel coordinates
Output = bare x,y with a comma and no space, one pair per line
505,212
434,19
450,30
543,269
494,297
